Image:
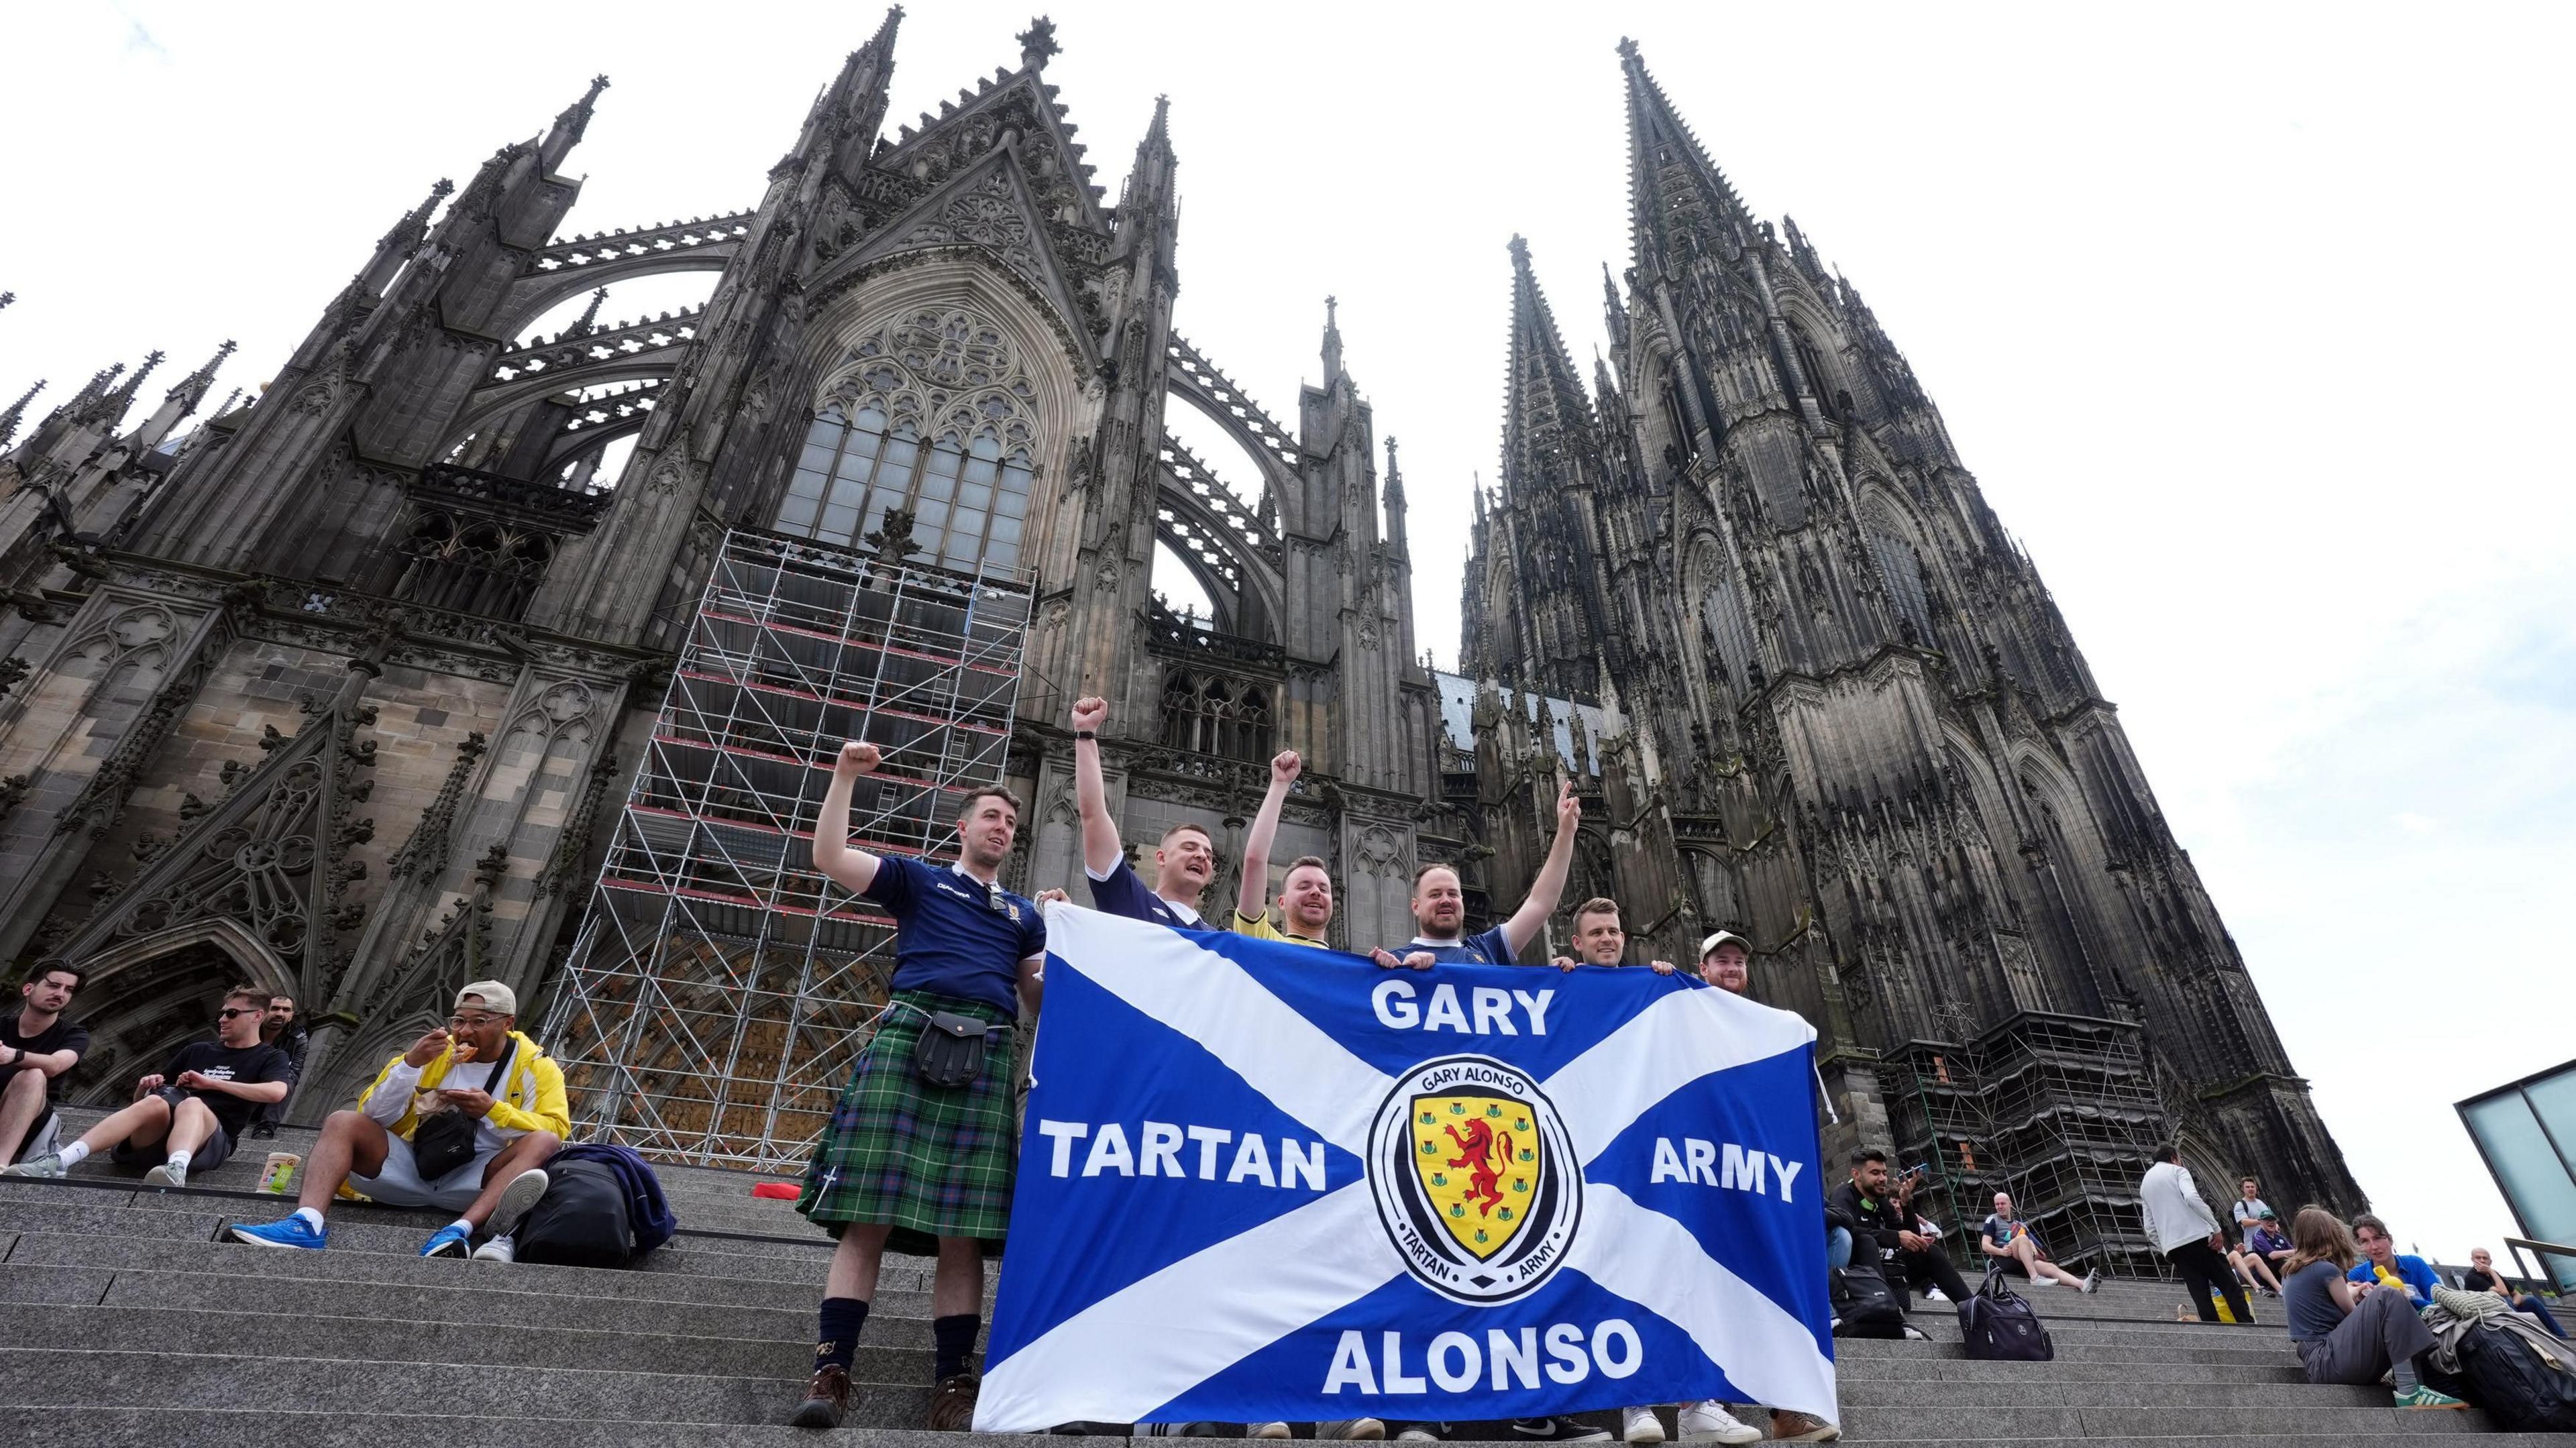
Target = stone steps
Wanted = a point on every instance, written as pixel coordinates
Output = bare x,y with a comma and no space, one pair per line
131,1323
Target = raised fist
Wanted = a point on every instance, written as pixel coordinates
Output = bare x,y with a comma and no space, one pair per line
857,759
1285,768
1089,712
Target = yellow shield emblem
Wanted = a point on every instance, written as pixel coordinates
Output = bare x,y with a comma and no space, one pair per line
1477,1157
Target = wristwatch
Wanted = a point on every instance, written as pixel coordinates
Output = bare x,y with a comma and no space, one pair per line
1086,734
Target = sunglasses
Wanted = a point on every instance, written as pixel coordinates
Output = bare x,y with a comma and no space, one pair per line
231,1011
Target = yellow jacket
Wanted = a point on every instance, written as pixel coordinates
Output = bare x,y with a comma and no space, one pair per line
532,1101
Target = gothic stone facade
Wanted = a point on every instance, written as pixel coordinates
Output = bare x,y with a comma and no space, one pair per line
335,691
1837,709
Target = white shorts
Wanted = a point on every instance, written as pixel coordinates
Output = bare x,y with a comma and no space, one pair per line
399,1183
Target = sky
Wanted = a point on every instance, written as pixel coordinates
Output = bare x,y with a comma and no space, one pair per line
2246,319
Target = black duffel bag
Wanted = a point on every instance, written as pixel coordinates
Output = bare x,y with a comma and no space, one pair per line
2507,1377
581,1220
1998,1325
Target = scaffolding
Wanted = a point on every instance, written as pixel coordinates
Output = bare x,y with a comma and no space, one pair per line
2060,1111
719,989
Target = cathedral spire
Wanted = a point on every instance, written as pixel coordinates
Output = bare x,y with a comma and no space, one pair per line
1394,503
1679,202
566,132
10,415
1038,44
399,242
182,399
1332,345
1544,410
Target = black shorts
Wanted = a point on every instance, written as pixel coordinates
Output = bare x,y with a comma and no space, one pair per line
2009,1266
204,1159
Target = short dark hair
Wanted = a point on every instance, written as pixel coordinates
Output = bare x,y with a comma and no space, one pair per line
275,996
1863,1156
1188,826
1307,862
247,993
2168,1151
966,806
2247,1182
2371,1222
57,968
1436,865
1597,905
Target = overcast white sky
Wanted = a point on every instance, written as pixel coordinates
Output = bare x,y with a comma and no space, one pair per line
2251,322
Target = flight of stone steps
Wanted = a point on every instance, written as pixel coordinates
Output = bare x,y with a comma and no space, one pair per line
123,1321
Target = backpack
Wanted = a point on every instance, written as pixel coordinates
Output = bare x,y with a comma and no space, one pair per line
2507,1377
1998,1325
581,1221
1864,1305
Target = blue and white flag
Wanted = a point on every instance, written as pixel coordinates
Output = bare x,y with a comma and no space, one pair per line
1261,1181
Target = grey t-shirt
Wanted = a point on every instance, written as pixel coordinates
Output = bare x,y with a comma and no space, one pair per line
2307,1296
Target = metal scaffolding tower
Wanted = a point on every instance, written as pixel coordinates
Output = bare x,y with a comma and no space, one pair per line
2058,1110
719,990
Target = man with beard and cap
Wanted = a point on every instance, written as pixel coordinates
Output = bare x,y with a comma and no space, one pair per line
1184,862
906,1163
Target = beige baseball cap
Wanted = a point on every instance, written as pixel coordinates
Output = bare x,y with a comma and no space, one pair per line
1721,938
501,1000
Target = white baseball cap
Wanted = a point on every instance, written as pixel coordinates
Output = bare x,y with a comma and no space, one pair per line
1721,938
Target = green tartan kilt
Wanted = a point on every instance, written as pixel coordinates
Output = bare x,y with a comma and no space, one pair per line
933,1162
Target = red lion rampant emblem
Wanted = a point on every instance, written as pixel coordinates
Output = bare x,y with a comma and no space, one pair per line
1484,1152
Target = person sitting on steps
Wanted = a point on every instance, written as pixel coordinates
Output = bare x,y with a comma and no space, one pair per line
191,1113
2351,1332
1887,1222
38,1047
477,1064
2482,1277
2010,1245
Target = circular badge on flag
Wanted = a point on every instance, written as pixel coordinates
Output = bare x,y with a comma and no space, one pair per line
1475,1178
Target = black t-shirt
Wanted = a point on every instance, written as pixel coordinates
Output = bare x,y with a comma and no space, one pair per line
65,1034
2477,1281
245,1064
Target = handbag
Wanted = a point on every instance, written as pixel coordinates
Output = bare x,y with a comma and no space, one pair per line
950,1052
442,1143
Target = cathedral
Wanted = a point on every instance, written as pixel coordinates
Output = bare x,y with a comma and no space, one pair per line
373,683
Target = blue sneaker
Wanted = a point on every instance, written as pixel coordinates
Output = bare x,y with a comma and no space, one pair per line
453,1240
293,1232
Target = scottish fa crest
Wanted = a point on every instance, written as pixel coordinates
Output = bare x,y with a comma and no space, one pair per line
1475,1178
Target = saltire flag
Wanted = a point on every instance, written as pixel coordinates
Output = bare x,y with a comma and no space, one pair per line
1261,1181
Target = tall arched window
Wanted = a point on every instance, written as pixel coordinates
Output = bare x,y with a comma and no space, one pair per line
1900,568
939,419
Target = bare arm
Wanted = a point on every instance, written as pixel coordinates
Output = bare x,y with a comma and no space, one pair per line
44,1063
2344,1296
1251,897
247,1090
1032,983
1527,921
1100,848
853,870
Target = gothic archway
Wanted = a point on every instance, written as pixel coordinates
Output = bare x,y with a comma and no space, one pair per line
144,998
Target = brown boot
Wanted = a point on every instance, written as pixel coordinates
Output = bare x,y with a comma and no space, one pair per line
1788,1427
827,1399
952,1404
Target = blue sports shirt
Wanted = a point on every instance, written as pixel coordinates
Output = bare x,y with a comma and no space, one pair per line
956,936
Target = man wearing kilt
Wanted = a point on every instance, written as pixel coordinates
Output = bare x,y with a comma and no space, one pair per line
905,1163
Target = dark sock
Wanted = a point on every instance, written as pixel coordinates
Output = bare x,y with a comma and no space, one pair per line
842,1319
955,1339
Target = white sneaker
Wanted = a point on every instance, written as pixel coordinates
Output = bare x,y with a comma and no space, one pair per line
2092,1281
1418,1433
166,1175
1368,1430
516,1198
1709,1422
1640,1425
1934,1294
1269,1430
499,1249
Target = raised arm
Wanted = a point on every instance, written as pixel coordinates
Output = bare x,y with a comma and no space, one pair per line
1252,897
1100,847
1527,921
851,869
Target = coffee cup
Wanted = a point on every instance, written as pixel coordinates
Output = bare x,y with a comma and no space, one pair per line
279,1173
